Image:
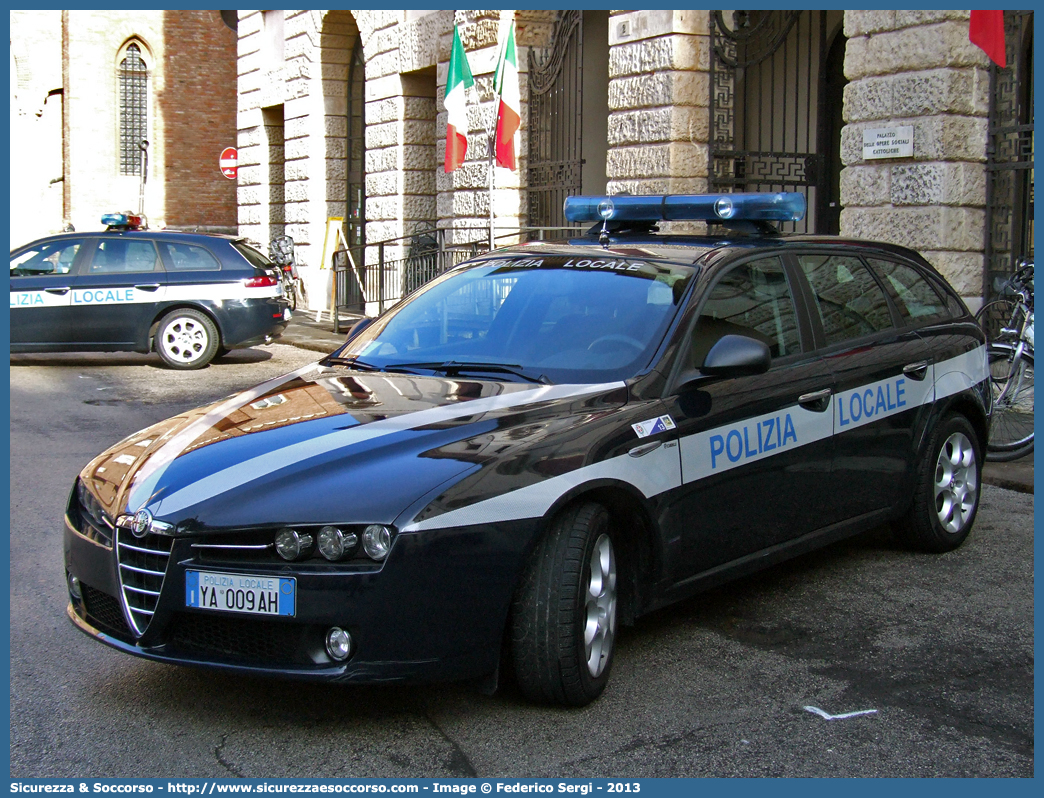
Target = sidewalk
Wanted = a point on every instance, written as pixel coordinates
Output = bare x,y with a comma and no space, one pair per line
305,332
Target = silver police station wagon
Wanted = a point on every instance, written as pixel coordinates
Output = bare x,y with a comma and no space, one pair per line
539,445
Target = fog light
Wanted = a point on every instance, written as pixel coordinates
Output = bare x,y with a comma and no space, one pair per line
376,541
338,644
292,545
336,544
74,588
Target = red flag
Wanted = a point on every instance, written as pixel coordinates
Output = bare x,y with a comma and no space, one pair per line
986,29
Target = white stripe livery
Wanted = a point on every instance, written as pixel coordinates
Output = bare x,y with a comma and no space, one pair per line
723,448
129,295
245,472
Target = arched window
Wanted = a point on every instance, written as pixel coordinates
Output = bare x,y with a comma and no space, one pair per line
133,79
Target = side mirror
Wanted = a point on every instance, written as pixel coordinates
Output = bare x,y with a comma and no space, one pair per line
737,356
357,328
731,356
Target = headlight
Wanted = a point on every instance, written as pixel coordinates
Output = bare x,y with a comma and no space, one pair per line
90,505
336,544
376,541
293,545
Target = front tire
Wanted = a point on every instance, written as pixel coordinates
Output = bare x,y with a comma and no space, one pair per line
564,613
187,339
946,496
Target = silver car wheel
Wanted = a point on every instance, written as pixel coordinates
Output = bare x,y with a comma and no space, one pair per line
184,339
956,486
600,606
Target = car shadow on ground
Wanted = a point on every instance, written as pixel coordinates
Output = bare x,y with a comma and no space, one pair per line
110,359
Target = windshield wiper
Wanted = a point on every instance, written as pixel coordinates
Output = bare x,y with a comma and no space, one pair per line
351,362
452,367
449,367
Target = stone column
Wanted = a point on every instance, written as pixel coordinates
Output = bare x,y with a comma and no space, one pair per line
251,145
918,69
463,195
659,96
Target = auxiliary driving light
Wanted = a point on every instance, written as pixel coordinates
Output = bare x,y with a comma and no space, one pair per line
336,544
338,644
376,541
74,588
292,545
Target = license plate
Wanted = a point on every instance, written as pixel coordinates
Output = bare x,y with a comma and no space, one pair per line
250,593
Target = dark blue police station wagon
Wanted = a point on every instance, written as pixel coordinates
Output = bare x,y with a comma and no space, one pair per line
543,443
189,297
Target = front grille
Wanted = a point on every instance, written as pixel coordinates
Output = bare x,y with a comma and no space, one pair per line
249,640
143,564
104,612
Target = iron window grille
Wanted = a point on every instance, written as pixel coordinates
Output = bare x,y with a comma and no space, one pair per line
133,86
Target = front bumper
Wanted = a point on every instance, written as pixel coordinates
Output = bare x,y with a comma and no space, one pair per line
434,610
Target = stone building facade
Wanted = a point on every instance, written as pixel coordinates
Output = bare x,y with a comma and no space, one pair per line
341,116
176,70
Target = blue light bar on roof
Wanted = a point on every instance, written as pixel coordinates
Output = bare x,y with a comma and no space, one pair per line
783,207
130,220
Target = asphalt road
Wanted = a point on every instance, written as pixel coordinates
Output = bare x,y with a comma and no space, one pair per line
939,647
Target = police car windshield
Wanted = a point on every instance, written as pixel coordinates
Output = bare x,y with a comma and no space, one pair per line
551,318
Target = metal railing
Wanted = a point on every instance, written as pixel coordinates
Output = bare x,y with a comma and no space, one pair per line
365,289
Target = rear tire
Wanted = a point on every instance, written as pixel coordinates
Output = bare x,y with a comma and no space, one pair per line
946,496
187,339
564,613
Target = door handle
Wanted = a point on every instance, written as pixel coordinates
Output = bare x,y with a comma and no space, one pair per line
817,401
645,448
58,291
916,371
148,287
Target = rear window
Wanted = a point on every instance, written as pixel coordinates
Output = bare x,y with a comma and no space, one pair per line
122,255
252,255
184,257
916,299
850,302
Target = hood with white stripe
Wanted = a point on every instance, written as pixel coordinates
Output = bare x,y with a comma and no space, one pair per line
323,445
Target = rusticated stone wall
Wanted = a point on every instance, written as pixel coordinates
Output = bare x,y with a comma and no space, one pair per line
293,139
918,68
659,96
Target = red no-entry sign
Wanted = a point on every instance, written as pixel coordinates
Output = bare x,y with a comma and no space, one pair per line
228,162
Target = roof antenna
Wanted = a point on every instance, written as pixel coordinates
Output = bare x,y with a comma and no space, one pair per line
605,210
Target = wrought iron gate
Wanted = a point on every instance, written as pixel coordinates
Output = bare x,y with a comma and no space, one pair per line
555,125
768,106
1009,155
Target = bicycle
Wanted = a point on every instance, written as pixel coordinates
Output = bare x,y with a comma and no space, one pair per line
1008,325
281,252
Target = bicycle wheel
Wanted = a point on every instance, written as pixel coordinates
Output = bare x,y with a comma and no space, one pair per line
1011,427
994,315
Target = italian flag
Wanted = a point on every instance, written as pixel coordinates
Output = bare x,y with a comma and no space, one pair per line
458,81
986,29
505,83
